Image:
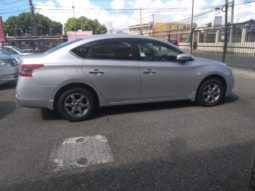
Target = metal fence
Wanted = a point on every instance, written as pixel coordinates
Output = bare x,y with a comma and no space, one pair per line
208,42
36,44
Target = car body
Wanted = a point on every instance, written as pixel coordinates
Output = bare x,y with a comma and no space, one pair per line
8,68
15,50
117,70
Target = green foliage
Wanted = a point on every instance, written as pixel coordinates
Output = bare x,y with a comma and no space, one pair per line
84,23
194,25
23,23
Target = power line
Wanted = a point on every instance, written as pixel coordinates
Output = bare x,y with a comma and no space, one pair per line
107,9
9,3
15,11
13,8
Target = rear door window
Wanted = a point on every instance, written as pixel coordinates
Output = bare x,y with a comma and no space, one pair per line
81,51
112,49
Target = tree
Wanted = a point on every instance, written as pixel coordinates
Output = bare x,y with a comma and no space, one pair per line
84,23
209,24
194,25
23,23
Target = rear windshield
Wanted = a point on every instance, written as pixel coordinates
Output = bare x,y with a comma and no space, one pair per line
62,45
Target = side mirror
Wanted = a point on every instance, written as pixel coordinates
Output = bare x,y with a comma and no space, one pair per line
184,57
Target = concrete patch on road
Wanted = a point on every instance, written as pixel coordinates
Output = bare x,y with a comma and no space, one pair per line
80,152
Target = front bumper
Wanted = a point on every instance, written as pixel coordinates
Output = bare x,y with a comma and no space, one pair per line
8,78
230,84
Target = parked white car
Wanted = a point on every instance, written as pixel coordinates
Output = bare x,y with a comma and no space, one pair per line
77,76
15,50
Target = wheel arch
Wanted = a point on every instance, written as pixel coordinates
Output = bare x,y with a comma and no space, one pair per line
211,76
74,85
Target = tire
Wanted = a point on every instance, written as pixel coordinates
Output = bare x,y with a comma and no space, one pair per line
210,93
77,104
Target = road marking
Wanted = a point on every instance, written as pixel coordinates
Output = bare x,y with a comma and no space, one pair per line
81,152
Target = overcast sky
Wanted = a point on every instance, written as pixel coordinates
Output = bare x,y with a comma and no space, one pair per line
106,11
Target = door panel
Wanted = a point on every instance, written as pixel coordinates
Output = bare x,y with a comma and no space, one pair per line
161,75
167,80
115,80
111,68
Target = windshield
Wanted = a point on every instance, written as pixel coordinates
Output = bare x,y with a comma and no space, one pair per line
4,52
62,45
18,49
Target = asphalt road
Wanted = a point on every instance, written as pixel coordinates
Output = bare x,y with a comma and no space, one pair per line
165,146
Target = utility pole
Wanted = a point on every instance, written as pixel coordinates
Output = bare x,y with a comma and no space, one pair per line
73,16
153,24
225,33
191,28
110,27
232,11
74,24
141,22
232,20
34,24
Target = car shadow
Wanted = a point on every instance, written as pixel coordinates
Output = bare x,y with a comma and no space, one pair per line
8,86
6,108
133,108
113,110
231,99
50,115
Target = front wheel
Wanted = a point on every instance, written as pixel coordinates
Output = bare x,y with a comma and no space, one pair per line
76,104
210,92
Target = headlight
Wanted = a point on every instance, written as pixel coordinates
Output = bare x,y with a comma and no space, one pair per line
6,63
2,63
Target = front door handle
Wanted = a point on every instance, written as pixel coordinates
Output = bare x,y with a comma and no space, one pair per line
96,71
149,71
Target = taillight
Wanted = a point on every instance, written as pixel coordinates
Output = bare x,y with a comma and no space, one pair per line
27,69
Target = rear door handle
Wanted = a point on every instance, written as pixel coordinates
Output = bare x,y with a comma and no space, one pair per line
96,71
149,71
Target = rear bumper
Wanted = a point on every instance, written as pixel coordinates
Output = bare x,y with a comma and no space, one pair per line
38,103
30,94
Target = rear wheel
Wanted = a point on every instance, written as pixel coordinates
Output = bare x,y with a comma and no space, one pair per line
76,104
210,92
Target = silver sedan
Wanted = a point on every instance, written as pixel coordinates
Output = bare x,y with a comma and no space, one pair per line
8,68
76,77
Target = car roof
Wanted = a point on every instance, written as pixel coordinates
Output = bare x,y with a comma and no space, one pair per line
112,36
81,41
118,36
